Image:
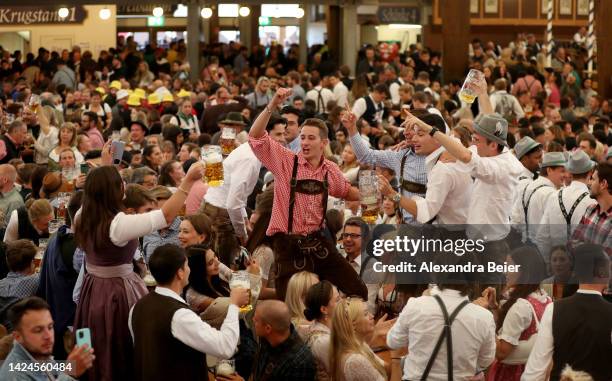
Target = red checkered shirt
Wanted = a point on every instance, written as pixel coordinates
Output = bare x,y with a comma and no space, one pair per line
595,227
308,210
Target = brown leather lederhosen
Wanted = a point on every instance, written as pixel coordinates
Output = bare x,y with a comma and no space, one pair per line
409,186
314,252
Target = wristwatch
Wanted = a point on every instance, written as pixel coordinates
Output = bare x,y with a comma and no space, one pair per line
433,131
396,197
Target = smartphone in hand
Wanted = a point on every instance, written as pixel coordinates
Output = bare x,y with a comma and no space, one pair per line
117,148
83,336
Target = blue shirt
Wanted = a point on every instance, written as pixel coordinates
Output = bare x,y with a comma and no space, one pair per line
296,145
414,167
18,285
152,241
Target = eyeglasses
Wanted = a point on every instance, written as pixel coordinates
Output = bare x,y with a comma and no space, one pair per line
351,235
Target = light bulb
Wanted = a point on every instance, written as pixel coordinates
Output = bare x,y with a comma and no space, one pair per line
105,13
244,11
299,13
63,12
158,11
206,13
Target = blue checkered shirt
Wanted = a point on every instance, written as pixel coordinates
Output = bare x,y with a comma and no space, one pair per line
414,167
18,285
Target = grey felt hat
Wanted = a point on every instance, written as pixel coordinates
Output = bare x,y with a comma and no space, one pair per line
553,159
525,145
493,127
579,162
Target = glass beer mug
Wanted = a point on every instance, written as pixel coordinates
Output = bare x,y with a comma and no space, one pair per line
34,102
228,140
241,279
368,190
213,159
467,93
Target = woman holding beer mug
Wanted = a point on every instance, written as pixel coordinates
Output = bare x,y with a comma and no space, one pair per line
109,238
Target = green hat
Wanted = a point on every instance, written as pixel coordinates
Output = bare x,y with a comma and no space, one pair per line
553,159
579,162
493,127
525,145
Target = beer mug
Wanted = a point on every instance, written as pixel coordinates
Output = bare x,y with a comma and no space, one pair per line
225,368
34,102
369,194
467,93
228,140
213,159
38,258
54,225
241,279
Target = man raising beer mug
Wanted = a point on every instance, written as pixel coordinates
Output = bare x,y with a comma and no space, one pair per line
302,184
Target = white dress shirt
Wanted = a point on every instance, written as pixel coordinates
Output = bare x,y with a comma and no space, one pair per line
525,178
341,94
448,192
321,103
536,207
419,326
553,226
496,180
188,328
394,91
371,278
240,174
542,352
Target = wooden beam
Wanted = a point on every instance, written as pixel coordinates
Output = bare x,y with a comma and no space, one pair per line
455,37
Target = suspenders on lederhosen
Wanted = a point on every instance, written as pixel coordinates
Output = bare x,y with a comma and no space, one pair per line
409,186
306,186
526,206
566,215
446,334
311,244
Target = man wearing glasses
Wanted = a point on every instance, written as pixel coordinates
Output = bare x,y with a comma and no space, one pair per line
354,230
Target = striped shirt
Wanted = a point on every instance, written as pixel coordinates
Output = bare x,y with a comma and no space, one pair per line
308,209
414,167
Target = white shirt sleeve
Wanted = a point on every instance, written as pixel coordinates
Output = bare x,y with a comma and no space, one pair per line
394,91
517,320
188,328
12,228
485,168
439,184
241,185
126,227
341,95
46,142
518,110
542,352
359,108
397,337
487,350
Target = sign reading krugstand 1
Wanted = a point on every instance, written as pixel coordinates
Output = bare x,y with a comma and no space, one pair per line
26,15
399,15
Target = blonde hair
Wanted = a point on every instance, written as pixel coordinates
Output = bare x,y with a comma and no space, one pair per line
39,208
570,374
72,127
345,341
297,288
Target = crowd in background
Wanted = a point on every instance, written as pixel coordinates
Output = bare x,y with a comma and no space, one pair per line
100,240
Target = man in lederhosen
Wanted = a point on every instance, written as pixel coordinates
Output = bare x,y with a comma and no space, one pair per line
302,184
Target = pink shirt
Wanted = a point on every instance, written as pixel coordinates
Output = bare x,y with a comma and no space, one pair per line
195,197
96,138
308,210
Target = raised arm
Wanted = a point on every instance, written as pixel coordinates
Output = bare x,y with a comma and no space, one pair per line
259,125
484,103
454,147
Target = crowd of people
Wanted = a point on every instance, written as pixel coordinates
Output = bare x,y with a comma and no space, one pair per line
133,201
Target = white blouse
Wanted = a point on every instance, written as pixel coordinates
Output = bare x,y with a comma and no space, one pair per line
519,317
356,367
